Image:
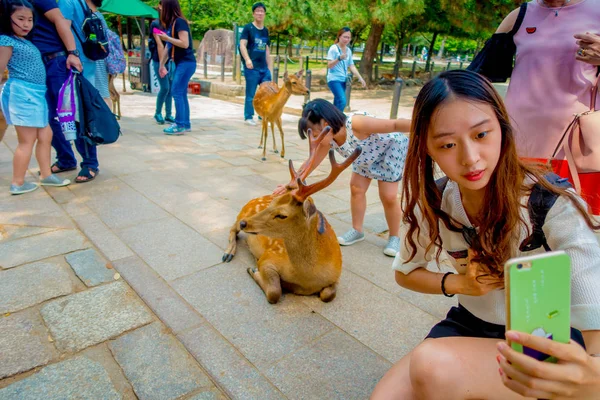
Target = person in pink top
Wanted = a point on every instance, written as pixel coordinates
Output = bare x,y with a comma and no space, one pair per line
558,54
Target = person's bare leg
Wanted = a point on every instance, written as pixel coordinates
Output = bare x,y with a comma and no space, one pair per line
358,199
459,367
388,193
395,384
42,151
26,137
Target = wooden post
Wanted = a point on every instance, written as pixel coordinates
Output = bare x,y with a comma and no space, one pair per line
121,37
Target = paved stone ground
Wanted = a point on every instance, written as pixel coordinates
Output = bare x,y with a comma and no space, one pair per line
154,224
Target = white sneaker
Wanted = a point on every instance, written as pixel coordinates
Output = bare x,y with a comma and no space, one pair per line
351,237
250,122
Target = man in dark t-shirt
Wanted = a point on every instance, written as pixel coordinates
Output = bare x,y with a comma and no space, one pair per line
54,38
254,48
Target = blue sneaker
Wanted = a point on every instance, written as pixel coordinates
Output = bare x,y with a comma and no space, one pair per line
54,180
351,237
159,119
26,187
174,130
393,246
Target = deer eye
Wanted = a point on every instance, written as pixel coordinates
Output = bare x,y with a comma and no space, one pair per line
293,83
281,216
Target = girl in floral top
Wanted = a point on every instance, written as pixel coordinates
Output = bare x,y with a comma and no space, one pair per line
23,96
382,158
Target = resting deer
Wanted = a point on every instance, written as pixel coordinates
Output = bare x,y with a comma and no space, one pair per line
295,247
268,103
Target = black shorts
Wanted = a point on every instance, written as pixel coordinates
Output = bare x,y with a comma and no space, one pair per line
460,322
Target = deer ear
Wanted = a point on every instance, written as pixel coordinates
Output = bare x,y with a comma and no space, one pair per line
299,73
285,76
309,208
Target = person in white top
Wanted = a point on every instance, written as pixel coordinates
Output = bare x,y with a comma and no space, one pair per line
460,123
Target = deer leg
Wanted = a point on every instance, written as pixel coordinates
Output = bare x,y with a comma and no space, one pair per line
273,134
268,279
265,126
328,293
262,134
230,251
282,142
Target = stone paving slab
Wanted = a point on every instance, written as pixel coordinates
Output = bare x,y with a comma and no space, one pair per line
234,304
90,267
335,366
24,343
363,311
10,232
171,247
88,318
210,394
157,365
78,378
227,366
21,251
164,301
102,237
32,284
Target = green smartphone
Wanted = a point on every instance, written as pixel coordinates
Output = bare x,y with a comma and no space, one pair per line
538,298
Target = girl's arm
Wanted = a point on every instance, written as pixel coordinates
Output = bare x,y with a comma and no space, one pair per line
183,40
424,281
364,126
160,47
320,154
5,55
592,342
356,73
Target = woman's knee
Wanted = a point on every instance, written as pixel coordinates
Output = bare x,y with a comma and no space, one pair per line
358,190
388,199
44,135
432,365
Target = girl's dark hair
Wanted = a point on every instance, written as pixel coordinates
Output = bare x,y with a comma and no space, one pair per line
7,9
501,223
341,32
171,10
318,109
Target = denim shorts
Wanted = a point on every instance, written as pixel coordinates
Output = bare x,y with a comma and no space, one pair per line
24,104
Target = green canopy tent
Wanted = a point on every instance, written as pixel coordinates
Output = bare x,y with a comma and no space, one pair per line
132,9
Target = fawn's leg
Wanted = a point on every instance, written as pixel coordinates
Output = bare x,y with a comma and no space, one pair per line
268,279
230,251
282,142
328,293
273,135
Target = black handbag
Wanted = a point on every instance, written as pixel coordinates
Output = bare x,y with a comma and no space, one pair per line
495,60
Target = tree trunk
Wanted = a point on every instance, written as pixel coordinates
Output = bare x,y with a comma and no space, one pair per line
288,48
399,48
366,62
430,52
441,52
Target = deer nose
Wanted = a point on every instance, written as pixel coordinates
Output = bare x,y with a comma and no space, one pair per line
243,224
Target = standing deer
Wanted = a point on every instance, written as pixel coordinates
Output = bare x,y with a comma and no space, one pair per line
269,101
295,247
115,97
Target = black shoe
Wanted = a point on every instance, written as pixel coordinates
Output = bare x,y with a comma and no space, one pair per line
170,119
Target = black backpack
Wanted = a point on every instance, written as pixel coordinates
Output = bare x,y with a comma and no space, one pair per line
540,202
98,125
95,40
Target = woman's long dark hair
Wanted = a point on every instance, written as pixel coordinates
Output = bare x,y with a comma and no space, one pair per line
171,10
7,9
501,224
316,110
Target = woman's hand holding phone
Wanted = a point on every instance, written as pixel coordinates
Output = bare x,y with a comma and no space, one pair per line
576,375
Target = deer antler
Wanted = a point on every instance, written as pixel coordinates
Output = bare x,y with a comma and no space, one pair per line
304,191
313,143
